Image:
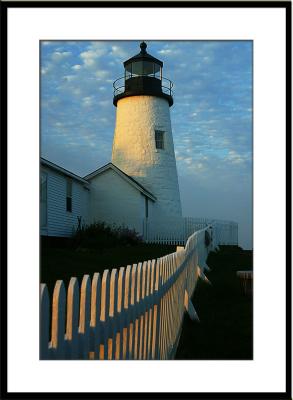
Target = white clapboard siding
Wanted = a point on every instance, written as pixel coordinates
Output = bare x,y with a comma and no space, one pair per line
127,313
108,204
59,221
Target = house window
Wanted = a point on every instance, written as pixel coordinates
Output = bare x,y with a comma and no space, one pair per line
43,199
159,138
69,195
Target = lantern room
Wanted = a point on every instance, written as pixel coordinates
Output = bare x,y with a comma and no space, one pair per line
143,64
143,76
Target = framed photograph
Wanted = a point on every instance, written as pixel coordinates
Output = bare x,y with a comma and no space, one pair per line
146,186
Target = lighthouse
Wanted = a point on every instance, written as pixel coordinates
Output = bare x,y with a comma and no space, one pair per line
143,144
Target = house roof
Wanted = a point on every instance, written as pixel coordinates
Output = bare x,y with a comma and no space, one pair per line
63,171
100,170
123,175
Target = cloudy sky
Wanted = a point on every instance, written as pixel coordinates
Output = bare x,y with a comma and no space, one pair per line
211,116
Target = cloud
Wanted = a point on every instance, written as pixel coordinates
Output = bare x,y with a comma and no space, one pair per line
89,57
44,70
118,51
93,53
76,67
88,101
76,92
169,50
166,51
102,74
69,78
235,158
58,56
46,43
105,103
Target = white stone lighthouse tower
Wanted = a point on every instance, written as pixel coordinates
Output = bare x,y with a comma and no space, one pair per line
143,144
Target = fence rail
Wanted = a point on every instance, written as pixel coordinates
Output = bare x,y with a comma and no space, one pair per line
131,313
119,85
178,229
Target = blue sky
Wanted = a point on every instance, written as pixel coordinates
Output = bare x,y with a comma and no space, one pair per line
211,116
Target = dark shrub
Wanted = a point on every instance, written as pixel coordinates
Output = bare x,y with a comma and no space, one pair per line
100,236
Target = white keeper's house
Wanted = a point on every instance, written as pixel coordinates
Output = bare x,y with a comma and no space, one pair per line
140,184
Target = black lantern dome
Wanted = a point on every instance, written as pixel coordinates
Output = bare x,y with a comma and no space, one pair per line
143,76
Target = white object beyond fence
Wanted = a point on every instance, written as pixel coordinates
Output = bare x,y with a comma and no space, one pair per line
178,230
131,313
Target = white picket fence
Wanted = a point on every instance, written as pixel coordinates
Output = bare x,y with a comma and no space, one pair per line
132,313
177,230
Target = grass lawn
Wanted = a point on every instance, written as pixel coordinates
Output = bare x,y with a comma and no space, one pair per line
225,331
64,263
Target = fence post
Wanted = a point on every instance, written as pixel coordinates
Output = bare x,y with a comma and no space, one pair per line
44,322
152,265
104,316
58,320
121,316
84,316
145,294
72,319
112,314
157,311
95,335
162,309
132,312
138,312
147,309
126,313
189,307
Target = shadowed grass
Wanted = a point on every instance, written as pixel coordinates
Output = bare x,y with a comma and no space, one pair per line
225,331
64,263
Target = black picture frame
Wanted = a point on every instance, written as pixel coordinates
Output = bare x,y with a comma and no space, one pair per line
4,223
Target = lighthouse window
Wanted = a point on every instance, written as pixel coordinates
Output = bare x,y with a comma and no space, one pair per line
159,138
137,68
142,68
